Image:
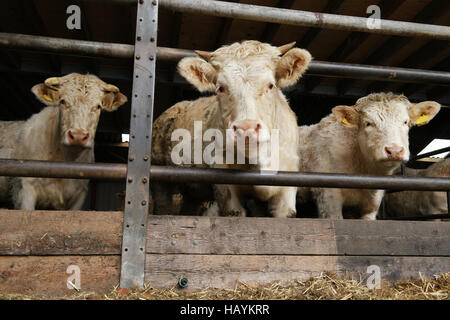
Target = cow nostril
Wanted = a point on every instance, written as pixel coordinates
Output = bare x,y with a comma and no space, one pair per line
258,126
85,137
71,137
388,151
234,128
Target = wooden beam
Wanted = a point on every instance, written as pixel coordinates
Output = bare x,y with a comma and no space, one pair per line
431,12
37,247
99,233
271,29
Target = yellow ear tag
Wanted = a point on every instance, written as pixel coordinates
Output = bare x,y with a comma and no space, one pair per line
422,120
47,97
345,121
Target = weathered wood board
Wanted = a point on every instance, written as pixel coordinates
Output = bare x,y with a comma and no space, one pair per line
37,247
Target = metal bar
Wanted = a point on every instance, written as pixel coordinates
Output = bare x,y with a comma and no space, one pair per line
139,150
306,19
66,170
75,170
125,51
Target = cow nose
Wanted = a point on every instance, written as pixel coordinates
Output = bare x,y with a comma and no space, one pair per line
247,128
77,138
394,152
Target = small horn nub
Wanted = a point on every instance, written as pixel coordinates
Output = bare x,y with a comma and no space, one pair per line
110,88
285,48
204,54
52,82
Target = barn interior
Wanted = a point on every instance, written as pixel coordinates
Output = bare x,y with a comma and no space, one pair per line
312,98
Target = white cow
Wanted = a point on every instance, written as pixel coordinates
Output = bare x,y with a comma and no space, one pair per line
248,104
63,131
368,138
415,203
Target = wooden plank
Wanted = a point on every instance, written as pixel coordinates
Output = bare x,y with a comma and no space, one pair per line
60,232
99,233
224,271
48,275
203,235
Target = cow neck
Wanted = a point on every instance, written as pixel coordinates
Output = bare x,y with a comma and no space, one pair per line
64,152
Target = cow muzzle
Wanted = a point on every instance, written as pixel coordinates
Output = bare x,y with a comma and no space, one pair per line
394,152
77,138
249,130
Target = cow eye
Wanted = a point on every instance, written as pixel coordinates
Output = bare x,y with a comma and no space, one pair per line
369,124
99,107
221,89
406,122
63,102
270,86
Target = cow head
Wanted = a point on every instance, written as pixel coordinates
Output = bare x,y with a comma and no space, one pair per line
80,99
247,78
383,121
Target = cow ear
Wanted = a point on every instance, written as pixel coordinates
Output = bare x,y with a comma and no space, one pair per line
112,98
346,115
199,73
47,92
291,66
422,113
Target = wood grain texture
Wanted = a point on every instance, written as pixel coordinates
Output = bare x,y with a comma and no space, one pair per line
100,233
47,275
60,232
202,235
225,271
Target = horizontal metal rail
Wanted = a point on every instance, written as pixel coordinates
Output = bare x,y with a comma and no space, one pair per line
70,170
300,18
306,18
126,51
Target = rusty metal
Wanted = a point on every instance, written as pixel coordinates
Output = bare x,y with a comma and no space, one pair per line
74,170
139,149
124,51
65,46
306,18
67,170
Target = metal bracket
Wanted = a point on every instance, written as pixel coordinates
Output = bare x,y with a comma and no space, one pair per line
139,153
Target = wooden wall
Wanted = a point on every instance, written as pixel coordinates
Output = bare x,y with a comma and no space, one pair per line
37,247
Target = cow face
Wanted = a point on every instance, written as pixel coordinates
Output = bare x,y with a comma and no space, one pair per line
80,99
383,122
247,78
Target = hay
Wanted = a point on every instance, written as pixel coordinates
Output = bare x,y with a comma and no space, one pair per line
326,286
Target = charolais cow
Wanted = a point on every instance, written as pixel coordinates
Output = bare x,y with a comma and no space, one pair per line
417,203
63,131
368,138
249,107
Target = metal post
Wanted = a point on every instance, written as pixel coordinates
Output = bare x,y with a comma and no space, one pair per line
139,153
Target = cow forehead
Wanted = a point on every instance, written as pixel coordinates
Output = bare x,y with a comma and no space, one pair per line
384,110
246,50
83,89
247,71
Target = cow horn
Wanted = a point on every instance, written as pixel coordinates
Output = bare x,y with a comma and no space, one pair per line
204,54
284,48
52,82
110,88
